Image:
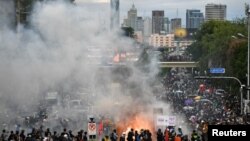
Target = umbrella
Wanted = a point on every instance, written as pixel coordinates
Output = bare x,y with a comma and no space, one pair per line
188,101
197,98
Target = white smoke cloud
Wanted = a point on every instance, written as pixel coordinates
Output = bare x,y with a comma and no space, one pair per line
53,54
94,1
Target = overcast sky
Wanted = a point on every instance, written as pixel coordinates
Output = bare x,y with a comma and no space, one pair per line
235,8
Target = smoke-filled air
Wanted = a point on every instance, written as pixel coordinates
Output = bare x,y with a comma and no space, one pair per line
64,66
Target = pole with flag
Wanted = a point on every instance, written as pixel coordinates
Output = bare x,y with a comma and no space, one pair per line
100,129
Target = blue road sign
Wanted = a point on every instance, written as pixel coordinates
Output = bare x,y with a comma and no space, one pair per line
217,70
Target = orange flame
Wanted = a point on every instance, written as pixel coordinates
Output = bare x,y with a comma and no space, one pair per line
137,122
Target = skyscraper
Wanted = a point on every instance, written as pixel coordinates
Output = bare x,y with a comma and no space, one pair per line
23,9
132,17
139,24
166,25
147,31
115,14
157,21
175,23
194,18
215,12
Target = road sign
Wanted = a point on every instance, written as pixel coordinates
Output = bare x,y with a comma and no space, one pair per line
92,128
217,70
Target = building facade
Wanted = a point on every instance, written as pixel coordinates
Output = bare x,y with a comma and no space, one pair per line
157,21
215,12
132,17
115,14
23,9
147,29
167,25
194,18
158,40
139,24
175,24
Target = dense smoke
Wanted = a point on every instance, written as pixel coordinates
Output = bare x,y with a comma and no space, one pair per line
56,54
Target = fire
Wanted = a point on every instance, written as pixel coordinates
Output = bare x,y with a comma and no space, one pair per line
137,122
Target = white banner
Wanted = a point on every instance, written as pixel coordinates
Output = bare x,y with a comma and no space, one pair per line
164,120
91,128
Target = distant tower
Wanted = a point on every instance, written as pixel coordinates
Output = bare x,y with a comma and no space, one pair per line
132,17
194,18
166,24
175,24
115,14
215,12
157,21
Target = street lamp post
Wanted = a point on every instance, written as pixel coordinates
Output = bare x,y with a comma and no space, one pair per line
227,77
248,53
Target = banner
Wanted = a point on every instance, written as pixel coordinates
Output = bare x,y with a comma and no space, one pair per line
164,120
92,128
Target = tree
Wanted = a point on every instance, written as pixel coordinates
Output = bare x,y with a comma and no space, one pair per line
215,47
128,31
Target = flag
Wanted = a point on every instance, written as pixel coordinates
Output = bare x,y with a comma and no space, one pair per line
100,128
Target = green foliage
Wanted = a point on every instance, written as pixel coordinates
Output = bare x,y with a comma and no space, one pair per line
128,31
215,47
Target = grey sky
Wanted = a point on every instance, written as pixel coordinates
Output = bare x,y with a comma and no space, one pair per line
235,8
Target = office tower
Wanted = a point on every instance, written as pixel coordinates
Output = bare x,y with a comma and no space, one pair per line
194,18
23,10
166,25
157,21
147,31
115,14
215,12
139,24
132,17
175,24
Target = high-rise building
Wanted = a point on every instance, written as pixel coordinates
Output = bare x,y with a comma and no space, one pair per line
166,25
157,21
115,14
215,12
7,14
139,24
132,17
147,31
194,18
175,24
23,9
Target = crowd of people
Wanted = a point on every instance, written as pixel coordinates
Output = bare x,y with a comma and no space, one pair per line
201,107
217,109
43,135
67,135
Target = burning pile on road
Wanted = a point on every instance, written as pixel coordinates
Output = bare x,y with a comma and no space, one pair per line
135,119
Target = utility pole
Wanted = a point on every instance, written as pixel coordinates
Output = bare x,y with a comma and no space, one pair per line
247,11
248,54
